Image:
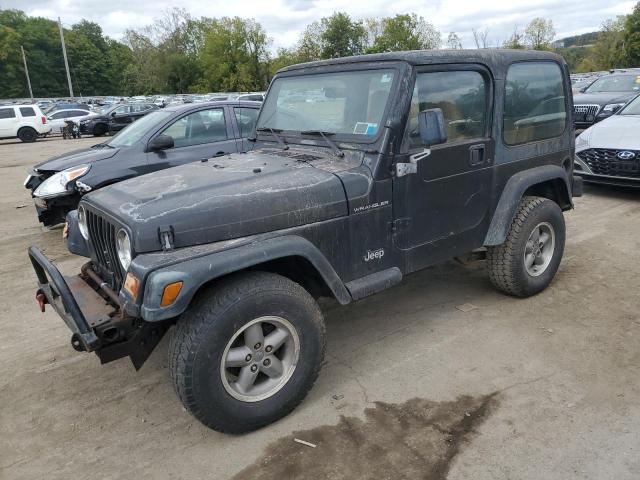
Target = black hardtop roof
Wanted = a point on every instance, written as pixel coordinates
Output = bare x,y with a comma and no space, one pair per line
492,57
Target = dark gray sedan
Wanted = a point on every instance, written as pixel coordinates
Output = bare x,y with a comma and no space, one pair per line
162,139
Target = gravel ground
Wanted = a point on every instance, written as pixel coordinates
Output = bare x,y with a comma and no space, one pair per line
440,377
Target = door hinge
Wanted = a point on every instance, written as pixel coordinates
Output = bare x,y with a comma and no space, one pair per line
400,224
165,233
402,169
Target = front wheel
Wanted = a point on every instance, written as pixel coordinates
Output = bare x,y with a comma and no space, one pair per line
527,261
99,130
247,351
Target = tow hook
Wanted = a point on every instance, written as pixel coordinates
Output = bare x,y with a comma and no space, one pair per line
41,299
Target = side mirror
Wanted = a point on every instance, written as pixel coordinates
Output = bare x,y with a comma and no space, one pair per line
161,142
113,114
432,129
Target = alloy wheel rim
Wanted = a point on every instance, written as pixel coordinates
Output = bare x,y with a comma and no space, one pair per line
539,249
260,358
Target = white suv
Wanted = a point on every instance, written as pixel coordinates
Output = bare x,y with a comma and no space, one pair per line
26,122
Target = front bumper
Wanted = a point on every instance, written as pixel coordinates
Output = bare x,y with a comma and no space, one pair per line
57,292
96,324
582,170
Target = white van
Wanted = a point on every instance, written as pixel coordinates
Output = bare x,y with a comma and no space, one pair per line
26,122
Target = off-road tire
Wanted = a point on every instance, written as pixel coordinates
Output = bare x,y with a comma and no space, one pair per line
200,336
99,130
27,135
505,263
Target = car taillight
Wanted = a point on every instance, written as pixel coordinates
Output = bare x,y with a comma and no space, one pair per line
44,120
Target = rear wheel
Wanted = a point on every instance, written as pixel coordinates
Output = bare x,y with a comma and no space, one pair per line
527,261
27,134
247,351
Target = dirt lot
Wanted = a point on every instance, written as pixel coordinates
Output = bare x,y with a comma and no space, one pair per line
413,386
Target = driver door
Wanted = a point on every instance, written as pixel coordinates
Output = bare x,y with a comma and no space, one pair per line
442,210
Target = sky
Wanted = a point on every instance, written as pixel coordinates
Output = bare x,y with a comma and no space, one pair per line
284,20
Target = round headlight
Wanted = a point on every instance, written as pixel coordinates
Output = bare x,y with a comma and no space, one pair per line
82,222
123,246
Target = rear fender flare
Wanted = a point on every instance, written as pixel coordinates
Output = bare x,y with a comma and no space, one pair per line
513,193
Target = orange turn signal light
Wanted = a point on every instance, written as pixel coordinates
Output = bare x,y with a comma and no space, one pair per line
132,285
170,293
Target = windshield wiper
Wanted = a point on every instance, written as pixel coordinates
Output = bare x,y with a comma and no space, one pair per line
325,135
274,133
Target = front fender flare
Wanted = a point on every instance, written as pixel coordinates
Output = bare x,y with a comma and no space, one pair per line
513,193
196,271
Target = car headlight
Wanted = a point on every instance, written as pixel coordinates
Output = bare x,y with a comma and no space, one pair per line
123,247
82,222
612,107
582,141
57,183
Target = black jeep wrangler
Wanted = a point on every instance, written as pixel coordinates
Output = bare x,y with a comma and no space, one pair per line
364,170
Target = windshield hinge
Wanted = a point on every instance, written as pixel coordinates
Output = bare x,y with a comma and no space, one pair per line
166,237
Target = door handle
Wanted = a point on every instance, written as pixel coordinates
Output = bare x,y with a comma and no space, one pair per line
476,155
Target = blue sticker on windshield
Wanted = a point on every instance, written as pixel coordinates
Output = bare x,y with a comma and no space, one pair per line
365,128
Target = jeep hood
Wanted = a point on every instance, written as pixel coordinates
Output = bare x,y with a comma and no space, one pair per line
222,199
77,157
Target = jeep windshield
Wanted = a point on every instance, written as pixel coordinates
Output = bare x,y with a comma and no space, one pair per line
615,83
341,103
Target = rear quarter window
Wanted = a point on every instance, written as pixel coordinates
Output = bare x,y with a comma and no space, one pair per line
27,112
7,113
535,104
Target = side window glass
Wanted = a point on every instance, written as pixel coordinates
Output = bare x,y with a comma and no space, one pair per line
462,97
246,118
205,126
27,112
59,115
534,103
7,113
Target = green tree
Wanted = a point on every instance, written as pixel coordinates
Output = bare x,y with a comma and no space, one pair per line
540,33
631,37
515,41
89,53
234,56
406,32
341,36
608,50
309,46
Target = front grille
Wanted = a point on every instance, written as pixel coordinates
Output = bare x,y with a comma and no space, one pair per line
103,238
605,161
586,109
